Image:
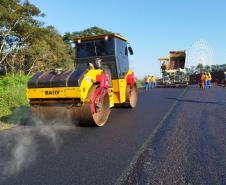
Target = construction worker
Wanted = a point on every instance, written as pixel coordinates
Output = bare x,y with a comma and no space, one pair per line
202,79
147,83
163,67
153,82
209,79
154,79
206,79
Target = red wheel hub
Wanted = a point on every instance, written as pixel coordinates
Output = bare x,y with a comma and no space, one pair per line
98,95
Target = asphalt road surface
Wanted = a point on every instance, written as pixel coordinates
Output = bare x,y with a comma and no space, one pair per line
190,147
174,136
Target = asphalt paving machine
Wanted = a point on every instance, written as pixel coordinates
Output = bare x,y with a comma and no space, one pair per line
173,70
101,80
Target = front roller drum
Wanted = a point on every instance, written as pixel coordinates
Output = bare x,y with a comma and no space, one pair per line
69,113
52,113
86,117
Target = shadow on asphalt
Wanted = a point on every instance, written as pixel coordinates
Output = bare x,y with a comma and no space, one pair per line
199,102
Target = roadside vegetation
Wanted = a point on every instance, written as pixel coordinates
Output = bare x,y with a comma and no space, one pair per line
13,103
139,83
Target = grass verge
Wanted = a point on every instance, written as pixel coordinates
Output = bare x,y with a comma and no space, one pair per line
14,108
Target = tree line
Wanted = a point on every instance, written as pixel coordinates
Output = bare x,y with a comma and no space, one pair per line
205,68
27,46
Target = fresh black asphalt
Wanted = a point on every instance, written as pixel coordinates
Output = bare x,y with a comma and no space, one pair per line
82,155
184,131
190,147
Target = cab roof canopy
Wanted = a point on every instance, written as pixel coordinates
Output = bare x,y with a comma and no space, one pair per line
96,37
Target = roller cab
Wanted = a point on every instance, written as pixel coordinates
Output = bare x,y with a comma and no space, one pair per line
101,80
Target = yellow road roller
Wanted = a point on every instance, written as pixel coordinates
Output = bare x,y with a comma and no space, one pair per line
101,80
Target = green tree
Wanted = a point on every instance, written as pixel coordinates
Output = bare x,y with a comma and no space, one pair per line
92,31
49,52
17,25
190,70
25,45
207,68
215,67
199,68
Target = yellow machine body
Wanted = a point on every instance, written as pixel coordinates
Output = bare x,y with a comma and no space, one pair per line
117,93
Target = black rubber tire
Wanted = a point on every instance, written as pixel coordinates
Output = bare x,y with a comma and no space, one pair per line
131,96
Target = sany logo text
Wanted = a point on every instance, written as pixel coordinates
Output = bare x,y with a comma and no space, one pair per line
52,92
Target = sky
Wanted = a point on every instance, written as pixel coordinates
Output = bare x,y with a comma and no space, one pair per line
153,27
